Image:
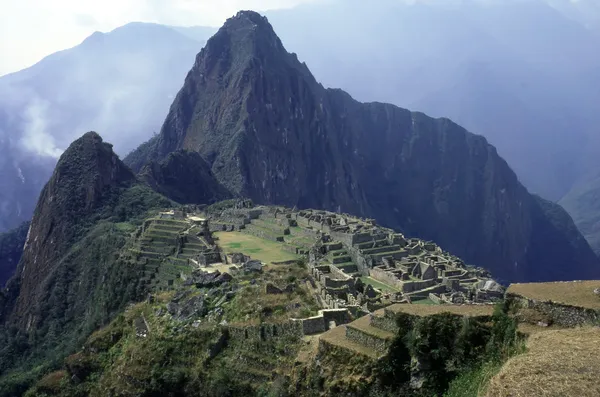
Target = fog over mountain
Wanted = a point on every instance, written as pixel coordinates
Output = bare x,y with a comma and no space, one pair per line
523,73
121,83
520,72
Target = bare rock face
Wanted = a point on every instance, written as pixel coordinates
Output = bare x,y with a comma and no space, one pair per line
271,132
184,177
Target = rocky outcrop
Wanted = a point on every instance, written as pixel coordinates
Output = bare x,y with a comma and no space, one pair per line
186,178
272,133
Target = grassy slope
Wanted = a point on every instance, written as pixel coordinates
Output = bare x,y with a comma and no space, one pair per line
577,293
557,363
264,250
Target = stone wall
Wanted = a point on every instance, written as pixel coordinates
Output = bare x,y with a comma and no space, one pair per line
262,233
386,323
312,325
265,331
413,286
336,273
565,315
344,238
359,260
340,316
370,341
386,278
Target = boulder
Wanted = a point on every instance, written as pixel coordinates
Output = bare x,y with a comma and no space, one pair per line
370,291
172,308
252,266
271,288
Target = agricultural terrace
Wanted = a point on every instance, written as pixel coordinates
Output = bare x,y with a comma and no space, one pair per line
557,363
429,310
257,248
573,293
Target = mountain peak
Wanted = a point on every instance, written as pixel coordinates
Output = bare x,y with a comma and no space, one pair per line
86,180
247,18
249,35
271,133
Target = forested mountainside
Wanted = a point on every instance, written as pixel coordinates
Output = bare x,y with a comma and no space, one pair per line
72,277
184,177
272,133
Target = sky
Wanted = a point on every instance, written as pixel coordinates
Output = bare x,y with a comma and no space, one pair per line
32,29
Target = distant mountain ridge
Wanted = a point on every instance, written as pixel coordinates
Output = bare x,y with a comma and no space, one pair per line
272,133
120,82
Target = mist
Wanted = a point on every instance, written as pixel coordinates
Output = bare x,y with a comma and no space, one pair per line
522,73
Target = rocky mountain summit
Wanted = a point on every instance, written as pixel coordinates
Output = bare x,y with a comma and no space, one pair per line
86,178
271,132
184,177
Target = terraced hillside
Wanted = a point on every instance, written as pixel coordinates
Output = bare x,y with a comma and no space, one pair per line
163,252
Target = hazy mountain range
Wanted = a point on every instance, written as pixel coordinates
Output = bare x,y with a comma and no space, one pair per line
121,82
522,73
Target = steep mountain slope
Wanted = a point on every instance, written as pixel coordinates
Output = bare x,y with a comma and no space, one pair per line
11,249
120,82
417,54
186,178
583,203
71,278
272,133
86,179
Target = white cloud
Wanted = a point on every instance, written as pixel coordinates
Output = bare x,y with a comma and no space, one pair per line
36,138
32,29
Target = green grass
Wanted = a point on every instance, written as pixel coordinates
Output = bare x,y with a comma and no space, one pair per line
125,227
379,285
264,250
473,383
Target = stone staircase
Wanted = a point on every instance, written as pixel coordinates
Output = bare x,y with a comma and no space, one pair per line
343,261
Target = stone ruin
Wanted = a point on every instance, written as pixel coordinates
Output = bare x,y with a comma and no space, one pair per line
351,248
355,265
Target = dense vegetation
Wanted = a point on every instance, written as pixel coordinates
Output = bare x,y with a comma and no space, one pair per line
191,355
74,276
140,156
90,285
184,177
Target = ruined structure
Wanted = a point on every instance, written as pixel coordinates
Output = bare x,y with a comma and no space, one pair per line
354,264
359,266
